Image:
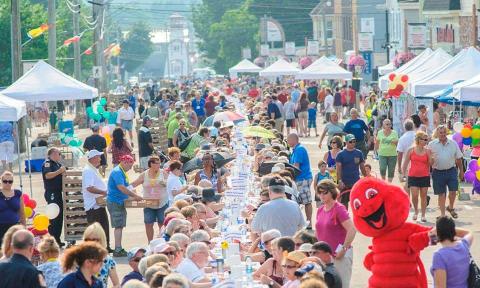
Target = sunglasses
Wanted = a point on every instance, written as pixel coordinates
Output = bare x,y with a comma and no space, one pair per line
289,266
425,139
170,253
92,239
7,181
182,124
352,141
323,192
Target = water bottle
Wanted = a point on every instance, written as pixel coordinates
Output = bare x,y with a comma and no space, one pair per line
249,269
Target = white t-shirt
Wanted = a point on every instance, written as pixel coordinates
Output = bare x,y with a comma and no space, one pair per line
406,141
173,184
91,178
125,114
190,270
329,104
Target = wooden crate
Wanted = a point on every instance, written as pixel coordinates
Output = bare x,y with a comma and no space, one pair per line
129,203
74,216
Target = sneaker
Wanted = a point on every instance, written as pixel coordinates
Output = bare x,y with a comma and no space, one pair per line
110,250
120,253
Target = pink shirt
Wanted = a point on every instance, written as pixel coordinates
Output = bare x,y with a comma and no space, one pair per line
329,225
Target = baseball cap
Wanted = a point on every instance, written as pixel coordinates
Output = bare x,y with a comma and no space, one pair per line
132,252
178,104
146,119
127,158
305,247
162,247
349,137
93,153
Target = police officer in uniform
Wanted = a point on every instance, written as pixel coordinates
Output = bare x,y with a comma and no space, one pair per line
52,172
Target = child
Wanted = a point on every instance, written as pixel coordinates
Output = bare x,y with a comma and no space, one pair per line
368,170
214,129
312,118
321,174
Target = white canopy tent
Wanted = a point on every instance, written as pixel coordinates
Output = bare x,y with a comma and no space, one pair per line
463,66
244,66
468,90
385,69
13,110
279,68
46,83
324,68
407,67
438,58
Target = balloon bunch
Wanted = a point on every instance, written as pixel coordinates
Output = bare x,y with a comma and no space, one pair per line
97,110
29,206
40,221
71,140
472,175
398,82
466,134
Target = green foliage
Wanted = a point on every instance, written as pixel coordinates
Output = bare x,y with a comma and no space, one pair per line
136,47
224,27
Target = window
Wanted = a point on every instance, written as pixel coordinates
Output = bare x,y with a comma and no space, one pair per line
329,29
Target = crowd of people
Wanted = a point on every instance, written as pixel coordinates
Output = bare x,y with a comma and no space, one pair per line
184,229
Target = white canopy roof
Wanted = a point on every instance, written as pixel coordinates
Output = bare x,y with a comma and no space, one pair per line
245,66
407,67
11,109
463,66
324,68
468,90
46,83
382,70
279,68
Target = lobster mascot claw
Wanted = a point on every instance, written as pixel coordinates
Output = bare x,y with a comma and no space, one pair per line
379,211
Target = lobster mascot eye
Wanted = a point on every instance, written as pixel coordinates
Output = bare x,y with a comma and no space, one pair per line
380,211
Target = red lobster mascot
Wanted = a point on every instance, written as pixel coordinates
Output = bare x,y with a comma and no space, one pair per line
379,211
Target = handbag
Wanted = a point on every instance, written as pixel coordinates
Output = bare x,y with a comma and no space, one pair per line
473,274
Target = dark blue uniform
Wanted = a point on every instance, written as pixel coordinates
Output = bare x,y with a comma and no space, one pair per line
53,194
18,271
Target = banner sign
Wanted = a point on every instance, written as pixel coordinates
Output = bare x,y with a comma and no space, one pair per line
290,48
313,48
417,35
365,41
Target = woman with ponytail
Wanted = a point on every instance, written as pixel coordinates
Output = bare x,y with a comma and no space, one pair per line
88,257
51,268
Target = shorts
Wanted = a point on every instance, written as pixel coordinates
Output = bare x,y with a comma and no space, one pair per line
118,214
144,162
127,125
290,123
151,215
444,178
312,123
420,182
304,193
303,115
7,151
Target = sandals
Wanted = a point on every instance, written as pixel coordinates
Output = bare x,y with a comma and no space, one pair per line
423,219
452,212
414,218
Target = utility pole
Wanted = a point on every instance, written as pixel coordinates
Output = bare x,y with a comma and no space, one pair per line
77,68
16,45
387,35
354,27
405,35
324,24
338,16
475,27
98,41
52,33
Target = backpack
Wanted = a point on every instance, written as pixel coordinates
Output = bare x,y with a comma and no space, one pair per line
184,141
473,274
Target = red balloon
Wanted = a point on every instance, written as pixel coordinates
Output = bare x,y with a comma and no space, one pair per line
391,76
399,87
26,198
404,78
31,203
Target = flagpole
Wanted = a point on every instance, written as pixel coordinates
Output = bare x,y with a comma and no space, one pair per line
26,42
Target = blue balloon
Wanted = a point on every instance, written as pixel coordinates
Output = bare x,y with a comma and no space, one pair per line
467,141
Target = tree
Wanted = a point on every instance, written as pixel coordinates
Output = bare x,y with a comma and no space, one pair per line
236,30
136,47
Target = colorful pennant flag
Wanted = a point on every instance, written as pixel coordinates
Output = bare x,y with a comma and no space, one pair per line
71,40
34,33
89,51
112,50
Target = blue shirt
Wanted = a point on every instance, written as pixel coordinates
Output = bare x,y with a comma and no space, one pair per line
77,280
300,156
312,114
273,108
199,106
9,208
117,177
350,161
356,127
6,131
131,276
132,100
295,95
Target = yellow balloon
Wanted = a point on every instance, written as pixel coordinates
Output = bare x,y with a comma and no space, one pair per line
478,161
478,175
108,138
475,133
41,222
28,212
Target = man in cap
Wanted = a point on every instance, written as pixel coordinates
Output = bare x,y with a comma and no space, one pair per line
349,161
119,190
145,142
97,142
268,216
134,256
324,252
93,187
359,129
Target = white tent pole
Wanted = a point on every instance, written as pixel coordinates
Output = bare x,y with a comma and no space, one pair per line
18,156
29,163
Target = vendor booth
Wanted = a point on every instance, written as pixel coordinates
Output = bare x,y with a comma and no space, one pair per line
244,66
323,68
280,68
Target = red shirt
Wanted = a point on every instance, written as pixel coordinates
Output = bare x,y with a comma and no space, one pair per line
282,97
343,94
253,93
228,91
210,107
353,95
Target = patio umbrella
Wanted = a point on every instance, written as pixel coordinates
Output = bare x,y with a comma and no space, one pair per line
220,158
226,116
257,131
266,168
